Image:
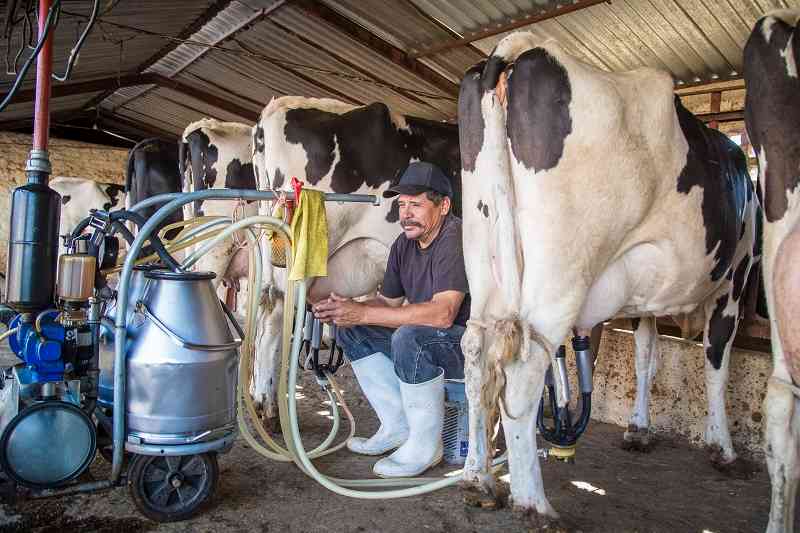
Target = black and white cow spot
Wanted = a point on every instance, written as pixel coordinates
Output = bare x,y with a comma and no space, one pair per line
539,95
470,116
65,199
394,212
114,193
717,166
720,330
739,277
483,209
239,176
258,139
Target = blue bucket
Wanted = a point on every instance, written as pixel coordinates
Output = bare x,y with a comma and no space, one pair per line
455,432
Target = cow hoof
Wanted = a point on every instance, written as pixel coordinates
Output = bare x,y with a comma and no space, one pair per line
538,522
638,440
737,468
272,425
475,495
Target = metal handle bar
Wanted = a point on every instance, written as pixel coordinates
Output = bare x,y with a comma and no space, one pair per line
180,341
236,325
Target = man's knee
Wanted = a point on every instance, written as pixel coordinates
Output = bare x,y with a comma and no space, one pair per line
361,341
408,339
411,362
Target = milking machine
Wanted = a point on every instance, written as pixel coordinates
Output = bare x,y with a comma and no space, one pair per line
563,429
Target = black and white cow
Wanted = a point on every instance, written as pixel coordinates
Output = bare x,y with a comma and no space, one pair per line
80,195
217,155
336,147
617,202
772,114
153,169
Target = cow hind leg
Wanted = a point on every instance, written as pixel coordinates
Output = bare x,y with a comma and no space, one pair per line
523,392
267,363
722,315
645,335
478,483
782,420
782,442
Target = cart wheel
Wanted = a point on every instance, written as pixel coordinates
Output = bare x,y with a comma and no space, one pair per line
172,488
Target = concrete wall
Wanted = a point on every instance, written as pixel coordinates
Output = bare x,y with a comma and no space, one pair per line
678,402
68,158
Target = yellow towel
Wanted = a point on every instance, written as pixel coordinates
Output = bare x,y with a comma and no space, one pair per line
310,237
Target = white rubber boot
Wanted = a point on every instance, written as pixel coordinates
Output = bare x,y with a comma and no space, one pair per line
424,407
375,374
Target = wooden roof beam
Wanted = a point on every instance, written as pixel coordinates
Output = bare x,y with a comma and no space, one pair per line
129,80
91,86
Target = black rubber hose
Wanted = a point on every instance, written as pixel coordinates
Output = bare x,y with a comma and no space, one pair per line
155,242
82,225
126,233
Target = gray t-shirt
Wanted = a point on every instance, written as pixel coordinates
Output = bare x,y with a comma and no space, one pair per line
418,273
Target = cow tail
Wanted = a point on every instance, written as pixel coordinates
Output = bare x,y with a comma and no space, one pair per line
129,172
504,348
182,164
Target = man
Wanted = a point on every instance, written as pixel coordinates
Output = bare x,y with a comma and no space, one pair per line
401,354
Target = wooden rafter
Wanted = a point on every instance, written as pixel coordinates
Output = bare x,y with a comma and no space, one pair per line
103,84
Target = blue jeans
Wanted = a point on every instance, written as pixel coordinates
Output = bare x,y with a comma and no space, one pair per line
419,353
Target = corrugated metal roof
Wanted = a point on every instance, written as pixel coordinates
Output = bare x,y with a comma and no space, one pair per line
108,49
695,40
298,52
57,105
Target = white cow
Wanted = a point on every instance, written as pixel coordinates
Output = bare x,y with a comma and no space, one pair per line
598,196
772,113
79,195
217,155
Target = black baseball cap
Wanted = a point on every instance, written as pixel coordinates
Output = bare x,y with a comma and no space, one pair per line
418,178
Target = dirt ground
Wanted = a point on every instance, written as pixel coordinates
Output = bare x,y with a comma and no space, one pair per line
673,488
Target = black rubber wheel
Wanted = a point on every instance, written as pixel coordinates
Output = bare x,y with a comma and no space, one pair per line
170,489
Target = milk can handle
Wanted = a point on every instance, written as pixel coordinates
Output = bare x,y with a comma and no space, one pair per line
233,321
183,343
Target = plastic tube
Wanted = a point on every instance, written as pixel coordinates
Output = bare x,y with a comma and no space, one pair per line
7,334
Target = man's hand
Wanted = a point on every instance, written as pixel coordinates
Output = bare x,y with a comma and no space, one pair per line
341,311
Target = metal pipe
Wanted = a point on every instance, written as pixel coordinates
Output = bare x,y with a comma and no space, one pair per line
73,489
44,68
249,194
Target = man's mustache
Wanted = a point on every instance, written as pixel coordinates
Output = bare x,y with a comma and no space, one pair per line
410,223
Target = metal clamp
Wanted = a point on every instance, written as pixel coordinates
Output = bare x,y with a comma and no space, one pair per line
183,343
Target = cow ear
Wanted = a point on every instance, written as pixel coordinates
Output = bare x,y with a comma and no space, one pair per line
64,199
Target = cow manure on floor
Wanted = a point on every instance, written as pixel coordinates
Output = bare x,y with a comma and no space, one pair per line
739,469
50,517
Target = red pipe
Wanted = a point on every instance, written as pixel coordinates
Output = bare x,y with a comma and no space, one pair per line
44,68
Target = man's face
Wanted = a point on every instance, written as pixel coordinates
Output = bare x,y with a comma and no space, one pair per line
419,216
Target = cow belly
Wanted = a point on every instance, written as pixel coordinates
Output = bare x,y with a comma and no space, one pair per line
786,286
649,279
